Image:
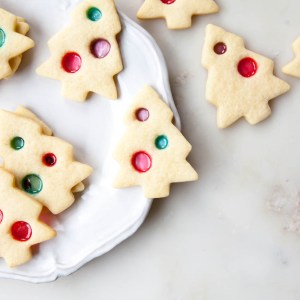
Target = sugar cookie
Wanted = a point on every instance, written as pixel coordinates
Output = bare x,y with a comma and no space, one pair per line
42,164
20,227
22,28
13,42
293,68
85,56
240,82
178,13
152,152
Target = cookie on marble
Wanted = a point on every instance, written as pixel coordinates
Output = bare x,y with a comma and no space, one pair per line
152,152
20,227
240,82
178,13
293,68
13,42
43,165
85,56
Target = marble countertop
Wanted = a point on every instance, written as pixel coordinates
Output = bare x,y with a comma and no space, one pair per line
234,234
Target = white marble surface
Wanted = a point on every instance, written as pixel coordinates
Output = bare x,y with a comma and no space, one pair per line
232,235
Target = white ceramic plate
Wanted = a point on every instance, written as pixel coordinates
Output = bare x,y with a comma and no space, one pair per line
102,217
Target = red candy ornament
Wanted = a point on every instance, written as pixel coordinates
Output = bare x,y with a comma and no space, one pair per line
142,114
71,62
1,216
21,231
220,48
141,161
247,67
49,159
167,1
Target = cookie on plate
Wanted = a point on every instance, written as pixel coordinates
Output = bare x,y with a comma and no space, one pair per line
13,42
178,13
240,82
152,152
43,165
20,227
22,28
85,56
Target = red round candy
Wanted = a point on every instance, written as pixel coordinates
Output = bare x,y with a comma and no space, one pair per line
142,114
71,62
49,159
141,161
167,1
247,67
21,231
1,216
220,48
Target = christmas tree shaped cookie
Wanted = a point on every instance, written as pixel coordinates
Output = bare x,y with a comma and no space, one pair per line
20,227
42,164
22,111
13,42
178,13
85,56
240,82
152,152
293,68
22,28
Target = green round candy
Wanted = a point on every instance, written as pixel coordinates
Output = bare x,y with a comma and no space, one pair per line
17,143
161,142
32,184
2,37
94,14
